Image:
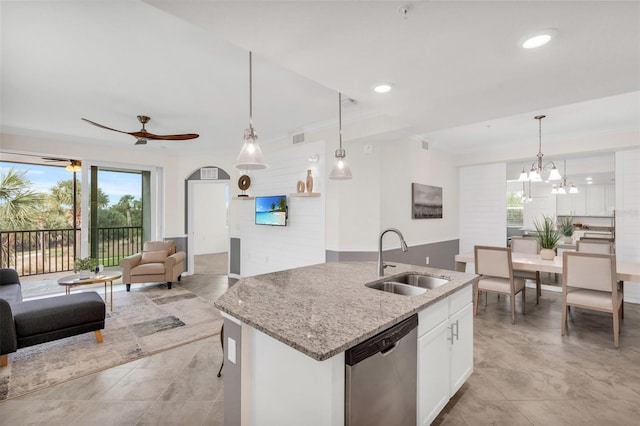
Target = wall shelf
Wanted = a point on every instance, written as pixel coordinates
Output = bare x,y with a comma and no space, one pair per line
305,194
244,198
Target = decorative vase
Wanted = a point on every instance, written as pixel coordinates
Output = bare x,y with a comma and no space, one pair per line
568,239
84,274
300,186
309,181
547,254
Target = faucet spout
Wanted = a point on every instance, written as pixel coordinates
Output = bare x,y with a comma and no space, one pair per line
403,245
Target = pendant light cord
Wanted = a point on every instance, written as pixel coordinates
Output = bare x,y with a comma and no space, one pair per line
340,117
250,93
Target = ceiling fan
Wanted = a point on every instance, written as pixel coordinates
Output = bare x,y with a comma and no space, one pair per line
142,135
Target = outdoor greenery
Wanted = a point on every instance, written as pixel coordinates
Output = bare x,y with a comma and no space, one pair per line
19,205
515,212
547,236
22,208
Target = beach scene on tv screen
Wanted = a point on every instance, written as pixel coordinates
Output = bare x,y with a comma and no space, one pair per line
271,210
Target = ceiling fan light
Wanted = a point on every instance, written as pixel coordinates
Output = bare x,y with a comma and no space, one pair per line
73,168
250,157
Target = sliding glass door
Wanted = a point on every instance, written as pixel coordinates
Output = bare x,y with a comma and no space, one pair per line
119,213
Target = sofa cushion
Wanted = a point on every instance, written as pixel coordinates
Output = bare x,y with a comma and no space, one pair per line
12,293
40,316
148,269
169,245
157,256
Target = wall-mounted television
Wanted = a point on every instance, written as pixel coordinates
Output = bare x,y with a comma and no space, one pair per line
271,210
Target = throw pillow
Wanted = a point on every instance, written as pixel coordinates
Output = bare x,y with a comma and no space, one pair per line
154,256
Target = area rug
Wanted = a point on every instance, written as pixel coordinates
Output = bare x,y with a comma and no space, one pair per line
144,321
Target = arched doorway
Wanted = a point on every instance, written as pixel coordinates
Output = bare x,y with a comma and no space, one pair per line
206,215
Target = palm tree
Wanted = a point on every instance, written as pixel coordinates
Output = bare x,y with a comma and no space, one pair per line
19,205
19,208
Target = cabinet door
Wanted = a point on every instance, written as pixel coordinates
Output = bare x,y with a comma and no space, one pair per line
596,200
563,205
579,201
461,323
433,373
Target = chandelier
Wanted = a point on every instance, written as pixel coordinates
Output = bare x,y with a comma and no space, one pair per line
564,188
537,167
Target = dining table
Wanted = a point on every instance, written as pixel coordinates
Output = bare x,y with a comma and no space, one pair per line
626,271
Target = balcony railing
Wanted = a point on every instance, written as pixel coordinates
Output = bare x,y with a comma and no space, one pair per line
44,251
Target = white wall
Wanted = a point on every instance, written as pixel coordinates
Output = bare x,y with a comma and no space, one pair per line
406,162
628,214
483,206
271,248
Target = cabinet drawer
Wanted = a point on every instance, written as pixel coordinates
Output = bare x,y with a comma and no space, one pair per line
432,316
460,299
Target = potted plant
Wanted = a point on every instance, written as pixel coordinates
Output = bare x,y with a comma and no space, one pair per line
565,226
85,266
547,236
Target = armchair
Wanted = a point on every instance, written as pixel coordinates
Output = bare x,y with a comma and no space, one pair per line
158,262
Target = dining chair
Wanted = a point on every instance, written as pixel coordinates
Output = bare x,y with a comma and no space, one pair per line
532,246
604,247
495,268
589,282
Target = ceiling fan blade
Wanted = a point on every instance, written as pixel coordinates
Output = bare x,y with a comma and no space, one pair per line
105,127
147,135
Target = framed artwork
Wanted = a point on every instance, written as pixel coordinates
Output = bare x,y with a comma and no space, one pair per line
426,201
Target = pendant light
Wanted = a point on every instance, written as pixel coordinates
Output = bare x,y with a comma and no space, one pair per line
340,170
564,188
535,173
250,157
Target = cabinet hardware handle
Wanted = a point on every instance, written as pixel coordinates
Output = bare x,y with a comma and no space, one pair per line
450,338
457,330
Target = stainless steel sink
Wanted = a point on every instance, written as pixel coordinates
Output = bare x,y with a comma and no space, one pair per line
408,284
422,281
397,288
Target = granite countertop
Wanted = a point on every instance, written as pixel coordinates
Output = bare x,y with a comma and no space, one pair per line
322,310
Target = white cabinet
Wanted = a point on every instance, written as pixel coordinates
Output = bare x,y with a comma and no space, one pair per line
445,352
433,379
593,200
462,347
596,200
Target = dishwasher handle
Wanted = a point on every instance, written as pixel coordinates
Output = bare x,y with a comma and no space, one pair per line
383,343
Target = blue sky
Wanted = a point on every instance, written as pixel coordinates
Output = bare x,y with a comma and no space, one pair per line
114,184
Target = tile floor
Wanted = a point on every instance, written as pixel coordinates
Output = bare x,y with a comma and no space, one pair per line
525,374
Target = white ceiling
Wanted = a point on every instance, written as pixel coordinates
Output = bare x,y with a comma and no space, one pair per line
460,79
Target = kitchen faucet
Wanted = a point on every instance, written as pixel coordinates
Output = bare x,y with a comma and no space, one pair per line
403,244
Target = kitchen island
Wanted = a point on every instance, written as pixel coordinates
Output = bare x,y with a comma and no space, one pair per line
286,334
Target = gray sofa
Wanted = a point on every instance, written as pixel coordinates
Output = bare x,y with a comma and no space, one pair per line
27,323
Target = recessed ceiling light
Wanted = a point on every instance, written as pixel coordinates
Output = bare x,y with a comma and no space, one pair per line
382,88
538,39
589,178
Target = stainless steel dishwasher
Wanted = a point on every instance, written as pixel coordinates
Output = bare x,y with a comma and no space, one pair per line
380,379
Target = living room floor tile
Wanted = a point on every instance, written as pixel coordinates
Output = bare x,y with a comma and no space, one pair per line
525,374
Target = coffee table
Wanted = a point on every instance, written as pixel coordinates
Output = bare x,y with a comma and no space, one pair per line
103,277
